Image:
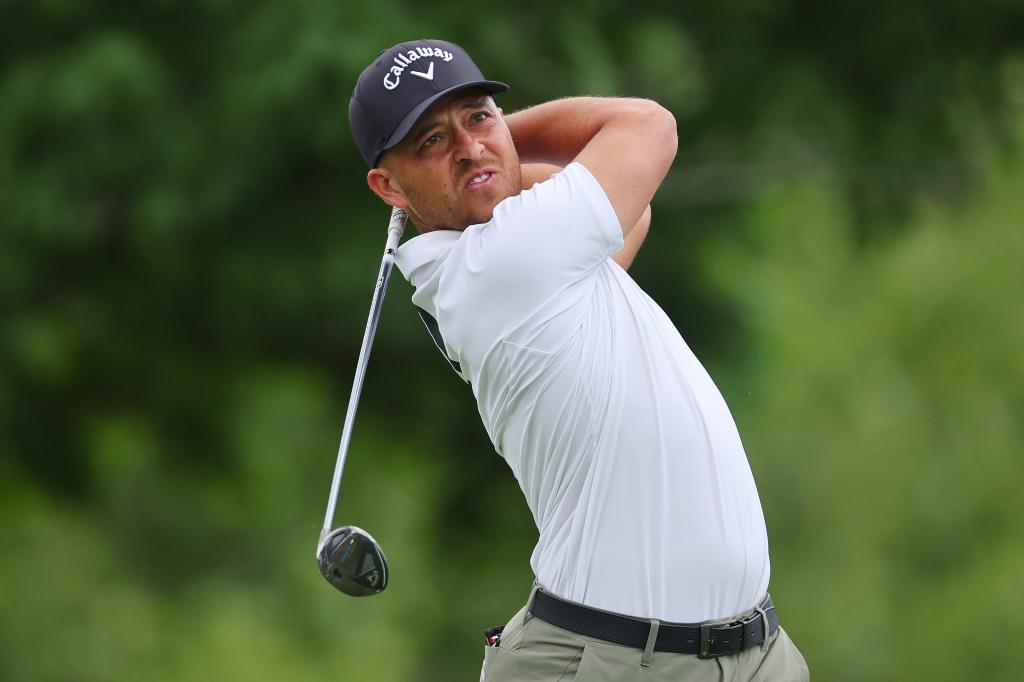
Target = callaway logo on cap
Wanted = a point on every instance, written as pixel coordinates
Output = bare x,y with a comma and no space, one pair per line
400,85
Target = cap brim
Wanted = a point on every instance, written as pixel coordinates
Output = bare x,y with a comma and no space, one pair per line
407,123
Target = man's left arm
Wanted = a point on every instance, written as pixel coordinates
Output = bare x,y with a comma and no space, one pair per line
539,172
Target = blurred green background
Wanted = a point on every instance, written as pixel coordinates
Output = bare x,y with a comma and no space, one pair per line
188,250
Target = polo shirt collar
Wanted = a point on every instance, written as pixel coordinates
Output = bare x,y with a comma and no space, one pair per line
413,257
420,260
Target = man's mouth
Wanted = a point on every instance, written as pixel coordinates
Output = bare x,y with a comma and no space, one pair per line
481,179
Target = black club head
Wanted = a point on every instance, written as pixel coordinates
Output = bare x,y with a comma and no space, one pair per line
351,560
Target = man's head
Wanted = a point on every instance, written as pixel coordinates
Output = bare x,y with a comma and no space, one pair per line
436,144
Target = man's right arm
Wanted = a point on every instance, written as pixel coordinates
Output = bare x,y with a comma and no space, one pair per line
626,144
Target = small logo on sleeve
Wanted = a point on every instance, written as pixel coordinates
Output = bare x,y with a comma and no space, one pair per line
404,60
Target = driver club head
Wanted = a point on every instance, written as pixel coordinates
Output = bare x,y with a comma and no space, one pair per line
351,560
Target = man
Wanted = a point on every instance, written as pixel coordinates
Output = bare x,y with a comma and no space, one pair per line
652,558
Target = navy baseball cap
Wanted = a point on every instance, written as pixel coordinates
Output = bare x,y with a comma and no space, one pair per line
401,83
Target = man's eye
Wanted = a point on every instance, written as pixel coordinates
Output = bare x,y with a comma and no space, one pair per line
479,116
432,140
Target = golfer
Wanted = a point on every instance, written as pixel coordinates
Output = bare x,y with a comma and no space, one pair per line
652,557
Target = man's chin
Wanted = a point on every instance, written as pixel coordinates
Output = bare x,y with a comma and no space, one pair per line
469,222
484,214
477,218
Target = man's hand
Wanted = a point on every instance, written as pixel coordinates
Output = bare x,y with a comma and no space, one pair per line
539,172
627,144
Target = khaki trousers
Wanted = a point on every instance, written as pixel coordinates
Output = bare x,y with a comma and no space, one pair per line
535,651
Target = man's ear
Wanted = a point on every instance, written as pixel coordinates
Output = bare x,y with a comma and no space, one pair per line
383,185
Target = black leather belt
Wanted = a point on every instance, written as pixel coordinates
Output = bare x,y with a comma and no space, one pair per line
704,639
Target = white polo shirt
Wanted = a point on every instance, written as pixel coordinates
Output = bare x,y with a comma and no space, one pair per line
627,454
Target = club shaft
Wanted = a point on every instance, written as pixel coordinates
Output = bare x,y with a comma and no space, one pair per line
395,228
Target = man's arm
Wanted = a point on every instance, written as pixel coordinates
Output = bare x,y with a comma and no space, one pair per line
627,144
632,241
539,172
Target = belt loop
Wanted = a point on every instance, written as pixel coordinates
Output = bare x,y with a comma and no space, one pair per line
764,619
652,637
529,602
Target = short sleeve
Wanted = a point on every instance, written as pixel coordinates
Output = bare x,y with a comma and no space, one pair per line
545,239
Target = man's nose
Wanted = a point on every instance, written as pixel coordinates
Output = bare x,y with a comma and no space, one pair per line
467,147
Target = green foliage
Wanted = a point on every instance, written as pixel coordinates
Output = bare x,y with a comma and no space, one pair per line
187,251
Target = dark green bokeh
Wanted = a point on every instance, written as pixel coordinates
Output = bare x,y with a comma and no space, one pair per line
187,253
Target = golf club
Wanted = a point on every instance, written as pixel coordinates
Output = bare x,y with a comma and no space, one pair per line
349,557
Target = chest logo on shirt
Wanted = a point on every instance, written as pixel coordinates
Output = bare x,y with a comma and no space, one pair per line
404,60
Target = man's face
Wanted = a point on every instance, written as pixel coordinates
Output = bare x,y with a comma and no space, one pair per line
455,166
